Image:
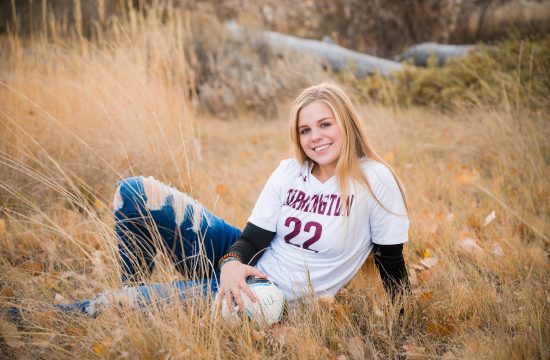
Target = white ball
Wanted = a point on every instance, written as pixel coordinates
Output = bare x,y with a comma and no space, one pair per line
266,311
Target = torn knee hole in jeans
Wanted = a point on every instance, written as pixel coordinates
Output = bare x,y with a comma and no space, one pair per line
158,194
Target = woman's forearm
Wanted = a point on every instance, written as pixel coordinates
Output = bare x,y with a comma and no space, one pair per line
391,265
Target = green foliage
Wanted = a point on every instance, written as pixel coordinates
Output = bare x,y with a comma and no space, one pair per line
514,73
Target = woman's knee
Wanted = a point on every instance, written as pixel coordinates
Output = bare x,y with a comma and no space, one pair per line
129,195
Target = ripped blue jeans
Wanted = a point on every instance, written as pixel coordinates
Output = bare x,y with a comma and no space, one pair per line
150,217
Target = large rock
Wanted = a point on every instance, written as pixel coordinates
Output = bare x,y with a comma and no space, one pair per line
421,53
338,57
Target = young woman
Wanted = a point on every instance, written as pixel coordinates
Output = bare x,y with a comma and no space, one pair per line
317,219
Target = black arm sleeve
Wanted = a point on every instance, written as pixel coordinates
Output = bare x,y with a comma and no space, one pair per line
253,241
391,265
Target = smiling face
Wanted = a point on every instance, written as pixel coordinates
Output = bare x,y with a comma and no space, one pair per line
320,137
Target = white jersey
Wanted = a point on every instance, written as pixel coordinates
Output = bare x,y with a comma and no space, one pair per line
316,248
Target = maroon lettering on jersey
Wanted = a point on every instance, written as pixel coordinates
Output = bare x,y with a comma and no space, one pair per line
315,201
299,198
332,198
338,208
322,204
349,203
288,197
305,204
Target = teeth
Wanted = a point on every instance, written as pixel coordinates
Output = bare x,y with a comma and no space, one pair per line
322,147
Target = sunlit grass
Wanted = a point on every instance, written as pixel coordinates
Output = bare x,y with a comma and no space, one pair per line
78,115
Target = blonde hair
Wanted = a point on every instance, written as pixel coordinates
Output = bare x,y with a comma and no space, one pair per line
355,145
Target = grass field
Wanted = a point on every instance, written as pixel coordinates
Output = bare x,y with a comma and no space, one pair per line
77,115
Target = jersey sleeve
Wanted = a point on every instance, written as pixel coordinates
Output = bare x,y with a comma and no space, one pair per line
387,227
268,206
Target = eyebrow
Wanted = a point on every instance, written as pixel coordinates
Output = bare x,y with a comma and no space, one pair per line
318,121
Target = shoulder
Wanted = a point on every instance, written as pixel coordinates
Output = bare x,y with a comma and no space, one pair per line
290,166
377,172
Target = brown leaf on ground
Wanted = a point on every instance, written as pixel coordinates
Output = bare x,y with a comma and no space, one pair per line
425,276
427,296
389,157
221,189
33,267
428,263
102,347
439,329
469,245
7,292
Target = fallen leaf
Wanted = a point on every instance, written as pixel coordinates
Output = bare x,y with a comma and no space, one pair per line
10,334
489,219
497,250
473,222
425,276
379,313
2,226
469,245
221,189
101,348
427,296
439,329
34,267
59,299
467,176
7,292
355,347
428,263
426,253
98,204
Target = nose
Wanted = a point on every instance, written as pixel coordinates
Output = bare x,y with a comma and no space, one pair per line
315,134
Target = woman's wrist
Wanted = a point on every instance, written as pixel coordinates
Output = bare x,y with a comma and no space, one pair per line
229,257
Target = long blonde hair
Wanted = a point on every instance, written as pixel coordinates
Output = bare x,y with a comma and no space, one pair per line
355,146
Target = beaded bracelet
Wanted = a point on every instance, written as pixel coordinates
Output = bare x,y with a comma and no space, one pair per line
229,257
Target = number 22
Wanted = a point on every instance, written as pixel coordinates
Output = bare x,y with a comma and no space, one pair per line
298,227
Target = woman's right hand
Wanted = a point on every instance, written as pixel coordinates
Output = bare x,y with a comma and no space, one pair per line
233,279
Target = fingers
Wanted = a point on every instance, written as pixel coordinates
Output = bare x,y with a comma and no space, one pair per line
249,293
256,272
238,298
228,300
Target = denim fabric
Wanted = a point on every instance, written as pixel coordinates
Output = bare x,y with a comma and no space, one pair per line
162,219
193,237
141,296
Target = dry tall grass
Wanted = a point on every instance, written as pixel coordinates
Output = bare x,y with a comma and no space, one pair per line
77,115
